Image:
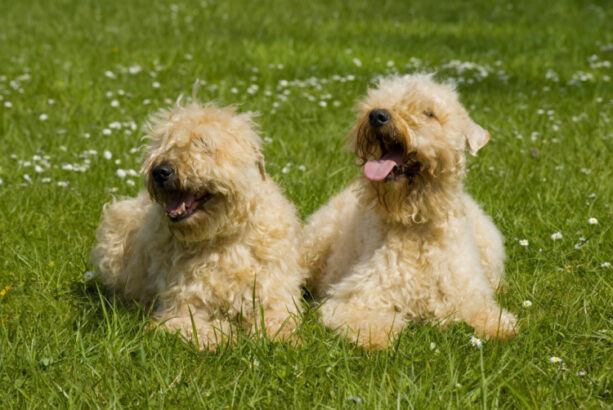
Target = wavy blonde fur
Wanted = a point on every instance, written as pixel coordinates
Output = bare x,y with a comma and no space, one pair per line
382,253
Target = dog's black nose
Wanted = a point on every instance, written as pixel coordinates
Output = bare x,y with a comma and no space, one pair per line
162,173
379,117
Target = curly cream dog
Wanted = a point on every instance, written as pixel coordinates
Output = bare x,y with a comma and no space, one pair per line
213,239
405,242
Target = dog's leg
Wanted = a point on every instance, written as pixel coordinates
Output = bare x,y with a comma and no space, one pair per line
470,295
362,306
278,322
197,328
118,255
320,234
489,242
367,325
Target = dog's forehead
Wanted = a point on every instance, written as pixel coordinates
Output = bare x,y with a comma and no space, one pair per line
411,91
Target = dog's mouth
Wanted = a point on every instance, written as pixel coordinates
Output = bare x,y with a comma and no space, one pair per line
181,204
394,163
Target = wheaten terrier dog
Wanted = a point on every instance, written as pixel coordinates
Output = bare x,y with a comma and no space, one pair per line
213,242
405,242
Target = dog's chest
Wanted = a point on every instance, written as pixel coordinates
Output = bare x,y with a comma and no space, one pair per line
213,277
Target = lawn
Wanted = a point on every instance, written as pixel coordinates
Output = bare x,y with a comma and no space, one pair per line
79,78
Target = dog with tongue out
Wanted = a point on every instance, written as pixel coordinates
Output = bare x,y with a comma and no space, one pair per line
212,242
405,241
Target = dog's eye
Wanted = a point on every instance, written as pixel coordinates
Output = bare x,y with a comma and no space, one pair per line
430,114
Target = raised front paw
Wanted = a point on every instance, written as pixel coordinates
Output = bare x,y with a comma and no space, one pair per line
495,324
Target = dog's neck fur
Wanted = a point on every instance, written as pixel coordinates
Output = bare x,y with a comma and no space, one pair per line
418,204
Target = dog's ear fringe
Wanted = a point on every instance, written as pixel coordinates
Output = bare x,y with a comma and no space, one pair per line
476,137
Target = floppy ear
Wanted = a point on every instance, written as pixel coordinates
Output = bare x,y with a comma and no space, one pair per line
476,137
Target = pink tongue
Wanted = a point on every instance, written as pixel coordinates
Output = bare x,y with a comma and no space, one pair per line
377,170
180,204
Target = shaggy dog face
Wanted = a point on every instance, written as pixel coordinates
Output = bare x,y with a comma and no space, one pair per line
199,168
410,136
212,242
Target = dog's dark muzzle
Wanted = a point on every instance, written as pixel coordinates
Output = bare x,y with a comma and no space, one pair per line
379,117
164,175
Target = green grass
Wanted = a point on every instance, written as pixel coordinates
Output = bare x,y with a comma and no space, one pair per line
63,344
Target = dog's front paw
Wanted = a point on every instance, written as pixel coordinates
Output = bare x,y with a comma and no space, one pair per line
495,324
371,329
207,336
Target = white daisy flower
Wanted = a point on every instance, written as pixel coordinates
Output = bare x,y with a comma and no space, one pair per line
121,173
592,221
43,117
605,265
476,342
8,104
526,303
556,236
155,84
107,154
555,360
106,132
114,103
62,184
89,276
524,243
355,399
134,69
